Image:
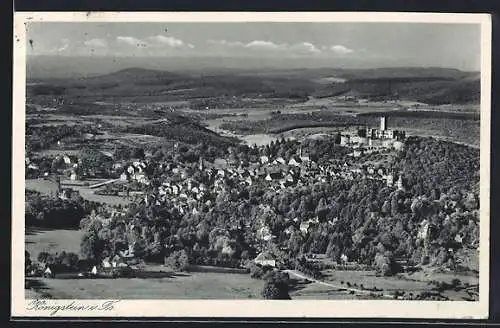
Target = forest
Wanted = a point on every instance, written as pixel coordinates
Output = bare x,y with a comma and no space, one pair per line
54,213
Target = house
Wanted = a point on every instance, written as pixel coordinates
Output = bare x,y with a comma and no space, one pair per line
124,176
398,145
264,159
264,233
74,176
280,160
357,152
67,160
304,226
265,259
48,273
118,262
294,161
344,140
117,166
106,263
68,193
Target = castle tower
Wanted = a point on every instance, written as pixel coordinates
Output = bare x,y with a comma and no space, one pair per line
383,123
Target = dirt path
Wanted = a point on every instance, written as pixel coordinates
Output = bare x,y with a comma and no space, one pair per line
361,291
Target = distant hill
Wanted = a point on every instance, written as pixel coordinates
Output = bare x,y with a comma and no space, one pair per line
427,85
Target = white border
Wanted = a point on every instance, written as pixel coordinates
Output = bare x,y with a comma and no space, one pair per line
252,308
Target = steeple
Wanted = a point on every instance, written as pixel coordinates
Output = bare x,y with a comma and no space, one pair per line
200,164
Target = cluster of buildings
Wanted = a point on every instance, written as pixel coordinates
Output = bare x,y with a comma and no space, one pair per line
369,139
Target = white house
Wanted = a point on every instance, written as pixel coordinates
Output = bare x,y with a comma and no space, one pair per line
344,140
48,271
73,176
265,259
106,263
304,226
294,162
123,176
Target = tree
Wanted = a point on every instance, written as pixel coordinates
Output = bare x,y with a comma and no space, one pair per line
91,246
275,291
385,264
322,209
178,261
138,153
27,261
42,257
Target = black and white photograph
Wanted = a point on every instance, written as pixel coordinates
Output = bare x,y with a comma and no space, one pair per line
250,158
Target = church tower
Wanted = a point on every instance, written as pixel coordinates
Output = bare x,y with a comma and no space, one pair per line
201,167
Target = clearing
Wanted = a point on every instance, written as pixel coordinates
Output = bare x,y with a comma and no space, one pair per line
52,241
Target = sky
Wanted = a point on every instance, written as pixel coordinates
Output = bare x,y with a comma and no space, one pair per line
363,44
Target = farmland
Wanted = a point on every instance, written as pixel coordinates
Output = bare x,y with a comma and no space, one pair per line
180,286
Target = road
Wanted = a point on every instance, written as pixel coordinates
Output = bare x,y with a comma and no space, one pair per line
100,184
360,291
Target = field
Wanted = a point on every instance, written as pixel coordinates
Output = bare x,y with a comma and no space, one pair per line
205,285
48,187
52,241
43,186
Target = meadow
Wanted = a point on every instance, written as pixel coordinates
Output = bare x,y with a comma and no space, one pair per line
52,241
196,285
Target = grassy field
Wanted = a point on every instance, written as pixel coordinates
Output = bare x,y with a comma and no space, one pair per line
43,186
204,285
43,240
369,280
409,283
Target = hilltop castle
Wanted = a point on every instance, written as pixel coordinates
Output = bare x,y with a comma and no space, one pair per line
383,132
